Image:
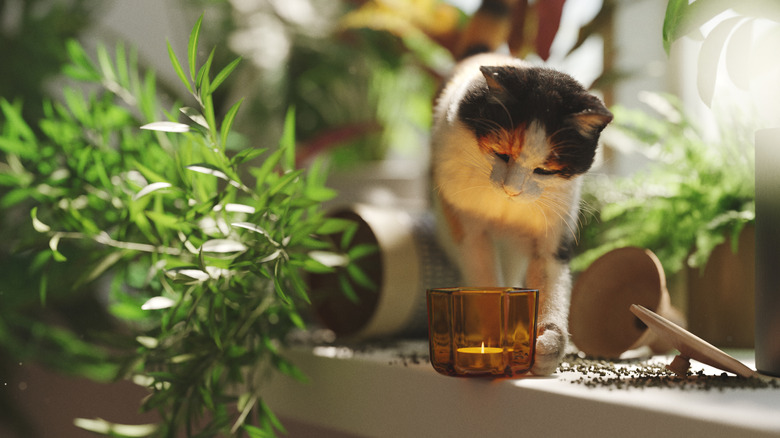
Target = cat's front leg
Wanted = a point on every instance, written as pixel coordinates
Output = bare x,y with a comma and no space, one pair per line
553,279
477,259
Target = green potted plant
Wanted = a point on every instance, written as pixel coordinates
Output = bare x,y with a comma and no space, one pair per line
197,253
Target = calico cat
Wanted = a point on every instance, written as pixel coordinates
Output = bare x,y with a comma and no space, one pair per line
510,142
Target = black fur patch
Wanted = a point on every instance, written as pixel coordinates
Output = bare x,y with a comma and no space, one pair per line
545,95
565,249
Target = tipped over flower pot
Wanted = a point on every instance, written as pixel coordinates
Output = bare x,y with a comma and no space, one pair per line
600,321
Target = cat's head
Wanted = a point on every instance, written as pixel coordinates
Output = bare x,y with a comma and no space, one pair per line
536,127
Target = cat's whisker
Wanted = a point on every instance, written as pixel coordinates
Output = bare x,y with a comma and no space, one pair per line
508,114
565,216
472,188
544,215
489,125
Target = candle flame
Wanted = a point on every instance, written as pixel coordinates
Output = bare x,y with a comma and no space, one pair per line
483,348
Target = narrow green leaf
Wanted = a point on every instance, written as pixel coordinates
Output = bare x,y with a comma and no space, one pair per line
247,154
362,250
122,73
284,181
158,303
227,122
148,102
43,288
360,277
14,197
349,234
165,220
315,267
17,147
317,174
192,47
320,194
166,127
37,224
209,169
256,432
106,67
206,397
334,225
178,69
347,289
187,274
223,246
78,106
261,173
223,74
13,116
296,319
287,142
147,173
203,72
207,103
54,245
287,368
298,286
278,284
194,115
268,413
80,67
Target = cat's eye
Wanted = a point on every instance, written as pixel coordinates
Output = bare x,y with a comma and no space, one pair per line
503,157
543,171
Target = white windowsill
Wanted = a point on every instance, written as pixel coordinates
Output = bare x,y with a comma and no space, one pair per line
379,393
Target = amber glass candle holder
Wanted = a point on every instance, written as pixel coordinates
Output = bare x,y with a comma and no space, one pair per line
488,331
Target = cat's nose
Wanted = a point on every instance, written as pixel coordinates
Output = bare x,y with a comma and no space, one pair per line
512,191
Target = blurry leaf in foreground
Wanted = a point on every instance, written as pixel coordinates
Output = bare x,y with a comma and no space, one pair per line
156,303
166,127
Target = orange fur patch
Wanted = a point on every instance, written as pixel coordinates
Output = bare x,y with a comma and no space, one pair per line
505,142
453,221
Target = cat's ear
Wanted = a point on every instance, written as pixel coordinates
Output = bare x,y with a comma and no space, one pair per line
492,76
590,123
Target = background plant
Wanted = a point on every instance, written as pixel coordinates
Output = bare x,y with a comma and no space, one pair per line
697,192
201,253
36,31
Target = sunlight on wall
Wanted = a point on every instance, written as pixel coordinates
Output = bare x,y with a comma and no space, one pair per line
733,71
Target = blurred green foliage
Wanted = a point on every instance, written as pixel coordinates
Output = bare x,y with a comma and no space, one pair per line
361,93
198,250
32,44
697,191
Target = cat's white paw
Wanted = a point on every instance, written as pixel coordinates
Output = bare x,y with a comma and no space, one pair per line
550,347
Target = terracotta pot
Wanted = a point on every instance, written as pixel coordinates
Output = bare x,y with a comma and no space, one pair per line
408,262
721,300
600,321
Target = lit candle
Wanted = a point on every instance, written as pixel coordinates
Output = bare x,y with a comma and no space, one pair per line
480,358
